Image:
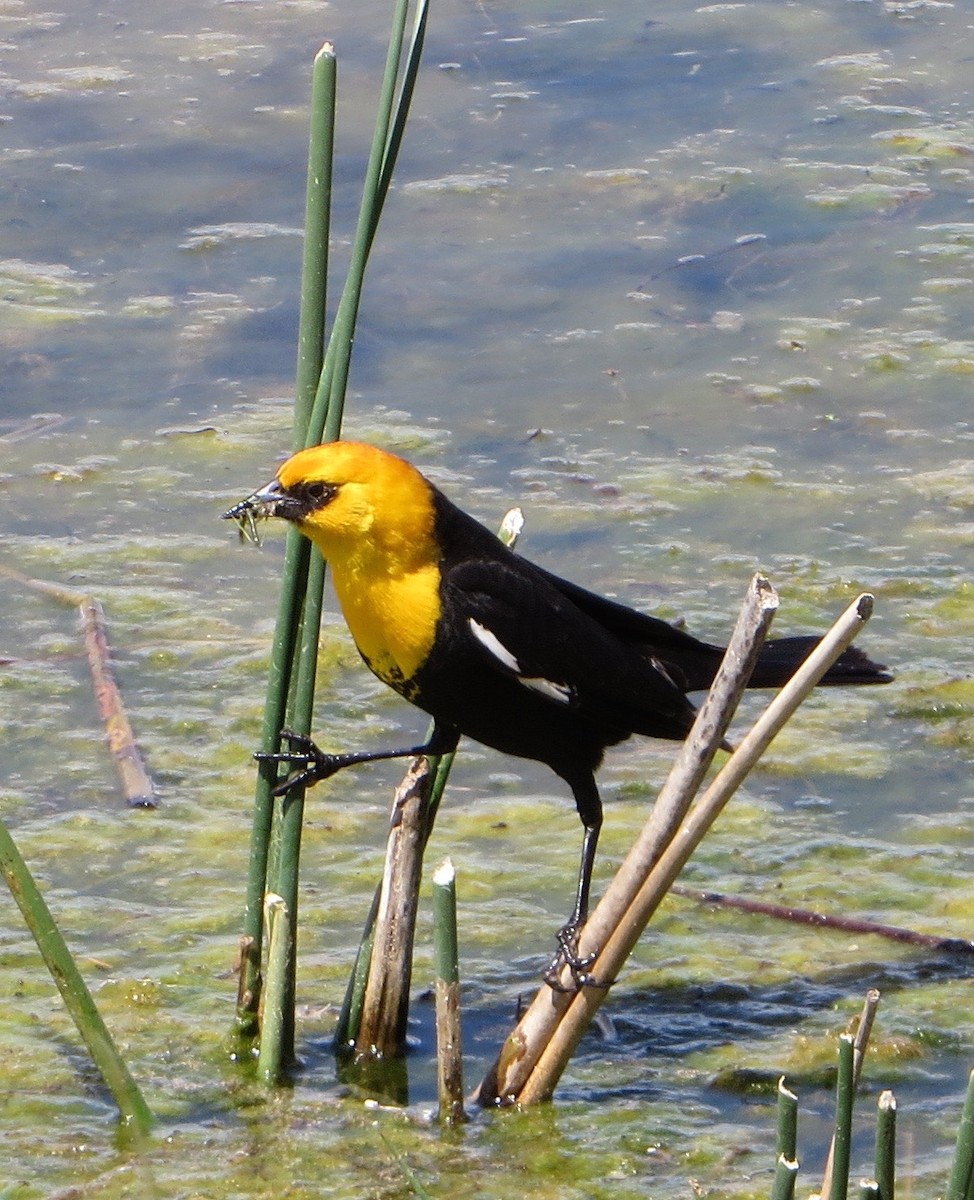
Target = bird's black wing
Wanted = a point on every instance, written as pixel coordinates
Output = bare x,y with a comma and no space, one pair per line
511,616
690,662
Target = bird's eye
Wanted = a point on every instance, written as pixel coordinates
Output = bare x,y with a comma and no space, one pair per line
318,494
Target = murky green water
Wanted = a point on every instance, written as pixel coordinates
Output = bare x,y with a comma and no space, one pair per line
719,261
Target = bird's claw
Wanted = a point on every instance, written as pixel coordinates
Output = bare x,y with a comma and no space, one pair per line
303,753
567,956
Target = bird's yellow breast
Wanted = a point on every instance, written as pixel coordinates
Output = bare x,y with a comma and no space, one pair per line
392,619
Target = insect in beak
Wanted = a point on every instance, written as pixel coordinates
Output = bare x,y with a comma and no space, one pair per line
258,507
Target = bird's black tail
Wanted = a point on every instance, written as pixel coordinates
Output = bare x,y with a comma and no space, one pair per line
780,658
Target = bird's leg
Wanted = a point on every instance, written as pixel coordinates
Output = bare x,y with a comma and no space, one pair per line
590,810
314,764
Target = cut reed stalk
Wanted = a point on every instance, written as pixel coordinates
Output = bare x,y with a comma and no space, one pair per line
786,1164
390,1025
787,1130
274,1026
885,1170
449,1044
535,1054
835,1186
385,1006
860,1040
785,1178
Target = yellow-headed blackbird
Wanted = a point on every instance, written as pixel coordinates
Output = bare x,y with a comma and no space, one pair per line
490,645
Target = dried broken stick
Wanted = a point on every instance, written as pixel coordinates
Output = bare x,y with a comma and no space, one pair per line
136,783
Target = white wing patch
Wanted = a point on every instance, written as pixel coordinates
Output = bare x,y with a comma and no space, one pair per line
663,671
490,641
560,692
554,691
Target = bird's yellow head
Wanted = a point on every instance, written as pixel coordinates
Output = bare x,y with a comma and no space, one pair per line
357,503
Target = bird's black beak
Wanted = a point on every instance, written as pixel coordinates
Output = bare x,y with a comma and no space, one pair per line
271,501
268,502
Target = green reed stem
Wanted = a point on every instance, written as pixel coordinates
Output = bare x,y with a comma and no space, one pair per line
125,1091
293,583
398,129
885,1171
845,1091
350,1017
326,420
320,385
961,1180
283,877
317,227
311,328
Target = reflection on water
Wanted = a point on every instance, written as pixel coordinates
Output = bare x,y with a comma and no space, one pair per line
695,288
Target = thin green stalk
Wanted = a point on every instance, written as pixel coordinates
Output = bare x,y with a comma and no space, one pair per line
868,1189
284,872
886,1146
441,765
350,1018
326,420
132,1107
845,1091
410,72
962,1170
317,227
296,559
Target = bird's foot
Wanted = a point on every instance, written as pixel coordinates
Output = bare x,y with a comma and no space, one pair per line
303,754
567,956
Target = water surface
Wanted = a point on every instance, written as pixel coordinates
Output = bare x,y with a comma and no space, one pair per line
691,285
